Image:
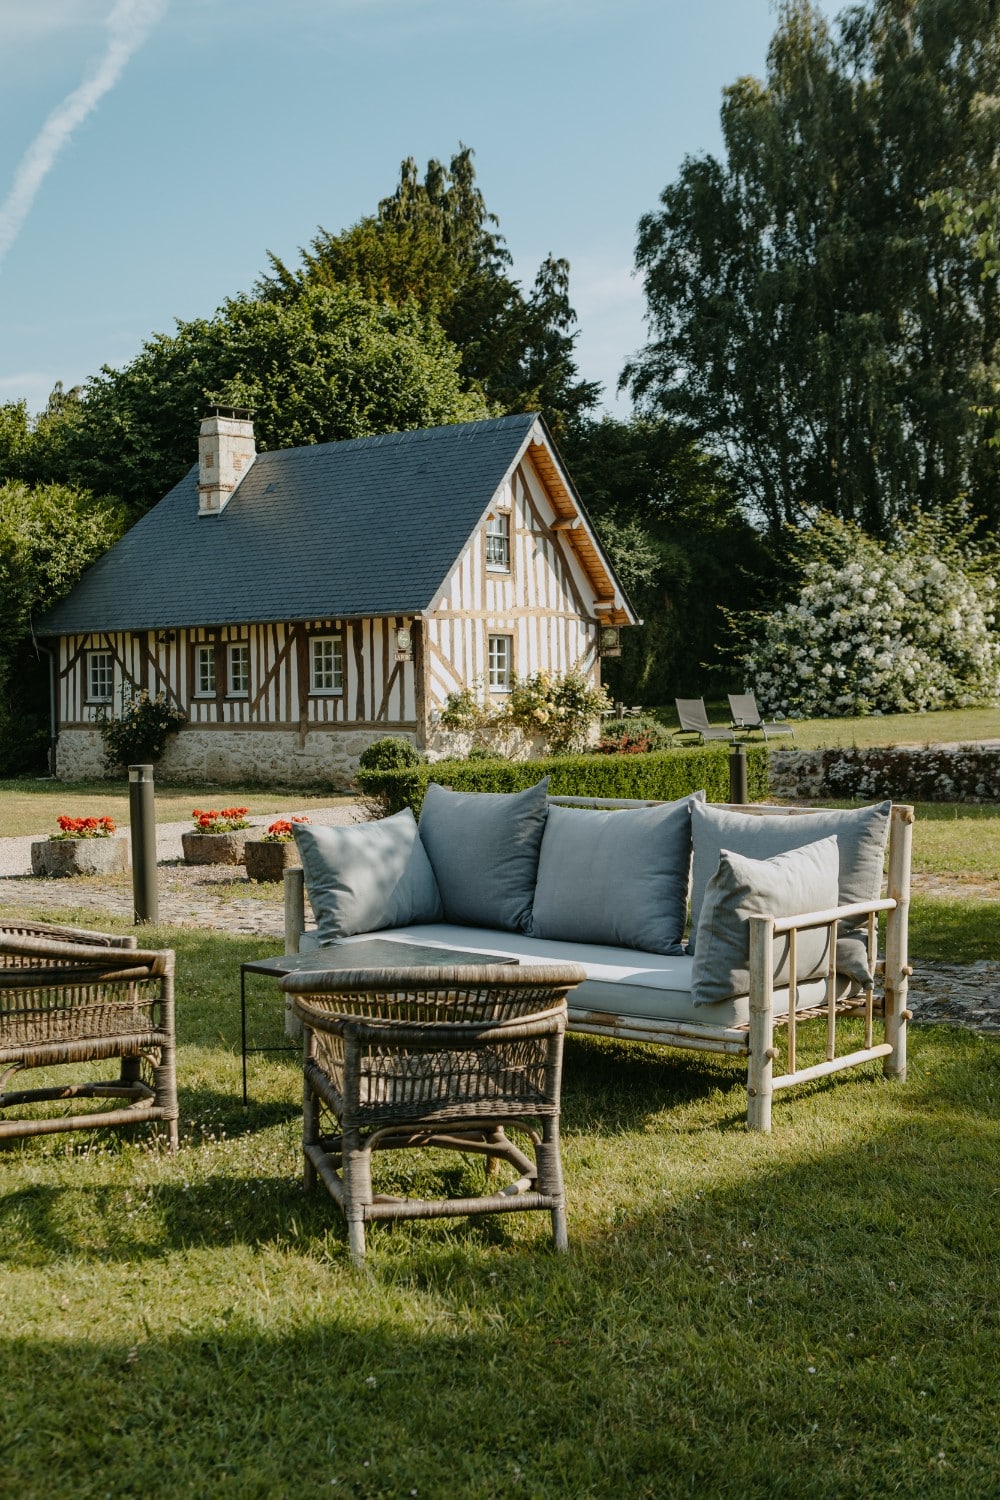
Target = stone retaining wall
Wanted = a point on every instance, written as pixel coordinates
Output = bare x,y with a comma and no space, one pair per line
905,773
205,756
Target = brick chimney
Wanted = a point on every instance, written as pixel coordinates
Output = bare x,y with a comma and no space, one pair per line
226,450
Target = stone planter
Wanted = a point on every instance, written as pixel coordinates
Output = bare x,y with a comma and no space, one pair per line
268,861
214,848
80,856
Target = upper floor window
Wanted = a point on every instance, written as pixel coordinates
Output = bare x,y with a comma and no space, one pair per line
326,664
501,656
239,670
100,676
204,671
498,543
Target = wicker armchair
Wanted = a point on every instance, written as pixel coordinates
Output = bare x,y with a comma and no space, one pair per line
70,996
431,1056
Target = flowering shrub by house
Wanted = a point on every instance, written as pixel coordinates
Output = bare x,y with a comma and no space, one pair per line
280,831
558,710
227,821
878,627
83,828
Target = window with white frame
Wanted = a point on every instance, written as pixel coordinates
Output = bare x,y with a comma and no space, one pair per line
100,676
239,670
501,656
498,543
326,664
204,671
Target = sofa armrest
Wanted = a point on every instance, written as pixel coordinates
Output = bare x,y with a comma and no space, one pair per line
761,1082
295,908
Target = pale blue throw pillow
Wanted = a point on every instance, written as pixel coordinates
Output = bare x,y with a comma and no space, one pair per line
798,881
483,848
367,877
618,877
861,834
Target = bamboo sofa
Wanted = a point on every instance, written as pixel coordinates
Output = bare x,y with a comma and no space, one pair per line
630,992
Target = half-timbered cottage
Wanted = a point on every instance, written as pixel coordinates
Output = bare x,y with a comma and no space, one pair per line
298,604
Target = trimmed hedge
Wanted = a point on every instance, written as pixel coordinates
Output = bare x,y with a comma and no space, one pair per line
660,776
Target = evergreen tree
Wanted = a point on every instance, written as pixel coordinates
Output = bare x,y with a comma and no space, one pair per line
685,552
434,242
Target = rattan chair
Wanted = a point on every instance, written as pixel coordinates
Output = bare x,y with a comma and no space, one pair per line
431,1056
69,996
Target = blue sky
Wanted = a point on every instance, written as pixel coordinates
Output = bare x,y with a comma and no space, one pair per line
153,151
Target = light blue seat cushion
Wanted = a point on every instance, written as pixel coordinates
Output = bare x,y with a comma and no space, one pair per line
617,877
483,848
365,878
621,987
800,880
861,834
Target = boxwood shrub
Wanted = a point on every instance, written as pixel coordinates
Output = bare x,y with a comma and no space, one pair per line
659,776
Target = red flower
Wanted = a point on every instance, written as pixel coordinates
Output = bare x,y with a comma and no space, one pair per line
84,828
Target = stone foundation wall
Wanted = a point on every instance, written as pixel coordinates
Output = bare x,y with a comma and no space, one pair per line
325,757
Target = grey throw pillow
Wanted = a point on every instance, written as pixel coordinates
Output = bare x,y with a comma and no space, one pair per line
800,880
365,878
618,877
861,833
483,848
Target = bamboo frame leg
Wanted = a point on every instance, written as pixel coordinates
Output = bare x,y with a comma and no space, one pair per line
897,964
760,1064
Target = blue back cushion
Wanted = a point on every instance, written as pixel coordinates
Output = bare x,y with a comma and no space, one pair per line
483,848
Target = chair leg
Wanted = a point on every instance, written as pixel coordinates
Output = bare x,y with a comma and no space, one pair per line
357,1179
550,1180
310,1135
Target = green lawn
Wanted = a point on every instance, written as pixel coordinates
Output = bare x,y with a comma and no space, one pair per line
809,1314
962,726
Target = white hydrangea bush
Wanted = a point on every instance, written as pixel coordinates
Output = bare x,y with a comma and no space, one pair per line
877,627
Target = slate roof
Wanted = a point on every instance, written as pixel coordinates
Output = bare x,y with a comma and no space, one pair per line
367,527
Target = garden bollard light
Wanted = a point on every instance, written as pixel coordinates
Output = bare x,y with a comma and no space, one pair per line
142,823
738,775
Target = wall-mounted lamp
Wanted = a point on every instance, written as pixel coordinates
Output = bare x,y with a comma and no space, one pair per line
609,640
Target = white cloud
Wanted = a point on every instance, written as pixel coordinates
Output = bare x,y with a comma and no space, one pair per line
128,26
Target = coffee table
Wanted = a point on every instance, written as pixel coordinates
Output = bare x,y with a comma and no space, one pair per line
373,953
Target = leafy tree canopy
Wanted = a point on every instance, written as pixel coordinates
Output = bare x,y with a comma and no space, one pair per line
318,366
47,537
682,547
812,315
434,242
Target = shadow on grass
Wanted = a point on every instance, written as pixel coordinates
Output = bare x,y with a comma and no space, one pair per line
812,1313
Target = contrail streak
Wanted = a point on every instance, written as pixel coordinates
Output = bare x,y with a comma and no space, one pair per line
129,24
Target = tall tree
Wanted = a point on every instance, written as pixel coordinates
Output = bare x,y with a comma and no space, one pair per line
810,313
434,241
683,548
48,535
317,366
